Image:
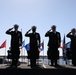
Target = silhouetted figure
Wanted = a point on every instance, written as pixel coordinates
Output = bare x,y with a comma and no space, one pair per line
16,41
72,36
34,45
53,45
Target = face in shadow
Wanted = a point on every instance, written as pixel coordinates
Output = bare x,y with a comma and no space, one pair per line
53,28
33,29
73,31
16,27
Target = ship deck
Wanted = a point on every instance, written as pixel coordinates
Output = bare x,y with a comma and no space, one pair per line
41,69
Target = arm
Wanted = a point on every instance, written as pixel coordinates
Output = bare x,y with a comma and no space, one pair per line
9,31
39,40
68,35
27,33
21,38
59,39
47,33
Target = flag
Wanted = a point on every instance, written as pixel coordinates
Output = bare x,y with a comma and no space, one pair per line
68,44
68,50
64,48
60,47
3,44
27,46
61,44
23,44
42,46
39,49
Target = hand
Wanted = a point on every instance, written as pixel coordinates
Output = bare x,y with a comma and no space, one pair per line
10,28
20,43
29,30
70,32
49,30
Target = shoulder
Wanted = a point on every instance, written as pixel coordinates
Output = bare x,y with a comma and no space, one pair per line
50,33
19,31
58,32
37,33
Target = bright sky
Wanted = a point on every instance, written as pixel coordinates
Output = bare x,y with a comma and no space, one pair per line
42,13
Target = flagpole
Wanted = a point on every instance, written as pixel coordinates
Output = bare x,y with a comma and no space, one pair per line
43,56
5,50
24,53
66,56
64,50
43,53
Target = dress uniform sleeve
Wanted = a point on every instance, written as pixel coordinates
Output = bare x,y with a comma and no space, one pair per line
21,37
9,32
47,34
28,35
59,38
39,39
68,35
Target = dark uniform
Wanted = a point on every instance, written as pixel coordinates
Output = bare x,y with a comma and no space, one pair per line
53,45
73,47
16,37
34,45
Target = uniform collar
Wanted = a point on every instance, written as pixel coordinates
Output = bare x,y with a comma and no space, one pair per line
34,33
16,31
54,32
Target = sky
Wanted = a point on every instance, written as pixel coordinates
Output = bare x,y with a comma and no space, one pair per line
41,13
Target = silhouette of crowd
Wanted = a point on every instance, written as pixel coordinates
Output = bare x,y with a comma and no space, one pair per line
34,43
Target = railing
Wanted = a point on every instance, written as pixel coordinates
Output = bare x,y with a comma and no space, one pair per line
42,59
5,57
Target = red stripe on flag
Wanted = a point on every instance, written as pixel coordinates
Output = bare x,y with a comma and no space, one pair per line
3,44
60,47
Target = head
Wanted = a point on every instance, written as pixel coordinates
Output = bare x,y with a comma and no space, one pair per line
53,28
73,31
33,28
16,27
